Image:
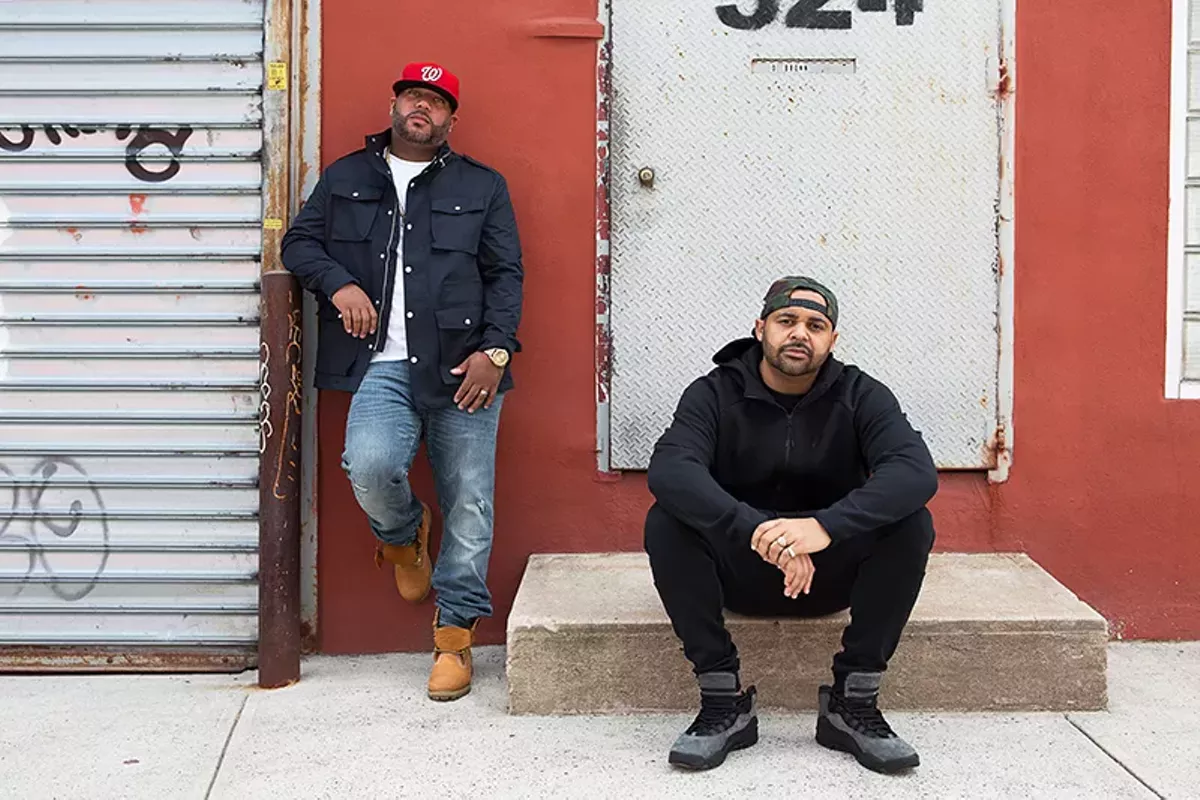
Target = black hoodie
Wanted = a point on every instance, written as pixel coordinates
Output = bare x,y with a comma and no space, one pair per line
733,457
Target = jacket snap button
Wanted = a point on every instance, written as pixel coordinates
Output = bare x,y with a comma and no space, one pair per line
458,208
413,359
466,322
354,194
410,315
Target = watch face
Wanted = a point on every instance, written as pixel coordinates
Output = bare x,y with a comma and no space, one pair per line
499,357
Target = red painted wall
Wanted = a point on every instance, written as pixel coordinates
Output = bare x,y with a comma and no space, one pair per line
1103,475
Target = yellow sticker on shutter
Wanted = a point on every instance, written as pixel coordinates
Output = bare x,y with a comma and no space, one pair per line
273,224
277,75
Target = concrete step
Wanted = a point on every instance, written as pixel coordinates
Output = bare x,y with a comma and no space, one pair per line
587,634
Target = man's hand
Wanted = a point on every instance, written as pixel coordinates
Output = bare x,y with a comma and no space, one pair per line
479,386
774,537
355,310
797,575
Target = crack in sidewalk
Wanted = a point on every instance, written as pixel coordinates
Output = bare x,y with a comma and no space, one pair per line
1116,760
225,747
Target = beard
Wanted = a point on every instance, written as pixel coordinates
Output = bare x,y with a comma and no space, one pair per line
789,366
433,136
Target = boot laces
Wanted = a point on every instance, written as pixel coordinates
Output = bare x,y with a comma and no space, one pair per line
718,713
416,545
864,716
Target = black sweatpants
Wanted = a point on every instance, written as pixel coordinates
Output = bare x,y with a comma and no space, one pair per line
876,575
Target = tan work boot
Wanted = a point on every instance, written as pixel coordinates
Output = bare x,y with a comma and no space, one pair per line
451,675
413,567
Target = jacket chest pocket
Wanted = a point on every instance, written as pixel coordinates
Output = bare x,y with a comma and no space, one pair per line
354,211
457,224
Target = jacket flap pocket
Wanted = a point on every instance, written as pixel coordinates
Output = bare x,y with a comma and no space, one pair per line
456,224
458,318
459,205
353,211
337,351
356,192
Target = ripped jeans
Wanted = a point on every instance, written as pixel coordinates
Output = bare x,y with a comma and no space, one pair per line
383,432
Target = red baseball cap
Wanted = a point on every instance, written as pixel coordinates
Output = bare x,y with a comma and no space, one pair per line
429,76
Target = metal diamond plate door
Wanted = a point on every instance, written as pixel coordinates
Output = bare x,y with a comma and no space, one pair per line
857,142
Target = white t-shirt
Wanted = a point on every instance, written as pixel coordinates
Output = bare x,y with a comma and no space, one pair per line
396,349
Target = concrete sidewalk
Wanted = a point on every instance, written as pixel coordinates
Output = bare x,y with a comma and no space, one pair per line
361,727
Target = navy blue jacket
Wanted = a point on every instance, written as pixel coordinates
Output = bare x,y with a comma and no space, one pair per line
461,265
734,458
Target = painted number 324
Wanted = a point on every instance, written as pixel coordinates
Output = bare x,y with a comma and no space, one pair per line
811,14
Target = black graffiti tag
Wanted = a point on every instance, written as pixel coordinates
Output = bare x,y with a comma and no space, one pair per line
27,134
140,138
148,136
85,504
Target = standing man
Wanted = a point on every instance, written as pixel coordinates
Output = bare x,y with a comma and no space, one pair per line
412,252
790,484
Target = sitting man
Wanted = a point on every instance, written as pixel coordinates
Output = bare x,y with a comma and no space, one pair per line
790,484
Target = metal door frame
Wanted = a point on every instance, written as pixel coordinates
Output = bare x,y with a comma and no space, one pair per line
306,169
1175,385
288,471
1005,84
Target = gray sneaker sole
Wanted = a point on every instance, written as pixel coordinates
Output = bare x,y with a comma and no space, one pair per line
746,737
831,737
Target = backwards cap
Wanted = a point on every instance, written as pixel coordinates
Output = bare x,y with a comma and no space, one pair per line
780,296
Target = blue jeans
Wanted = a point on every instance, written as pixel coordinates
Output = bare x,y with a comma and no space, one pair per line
383,432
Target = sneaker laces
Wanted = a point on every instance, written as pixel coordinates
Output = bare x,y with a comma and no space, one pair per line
864,716
718,713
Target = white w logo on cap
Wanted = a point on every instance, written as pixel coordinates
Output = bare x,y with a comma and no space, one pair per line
431,74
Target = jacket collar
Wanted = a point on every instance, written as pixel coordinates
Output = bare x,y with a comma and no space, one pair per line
743,357
378,143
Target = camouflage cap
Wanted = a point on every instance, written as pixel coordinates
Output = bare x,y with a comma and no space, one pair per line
780,296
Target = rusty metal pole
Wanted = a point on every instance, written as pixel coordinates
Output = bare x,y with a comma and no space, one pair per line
281,385
279,485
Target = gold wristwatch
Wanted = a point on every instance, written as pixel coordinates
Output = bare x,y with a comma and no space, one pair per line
498,356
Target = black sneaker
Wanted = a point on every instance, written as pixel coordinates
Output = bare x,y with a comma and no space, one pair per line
851,722
727,722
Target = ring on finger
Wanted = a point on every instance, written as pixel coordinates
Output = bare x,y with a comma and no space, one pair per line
790,551
483,392
782,542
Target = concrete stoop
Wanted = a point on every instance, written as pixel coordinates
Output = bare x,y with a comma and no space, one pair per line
587,634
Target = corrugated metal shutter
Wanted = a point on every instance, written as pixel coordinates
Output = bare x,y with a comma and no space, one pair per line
130,235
